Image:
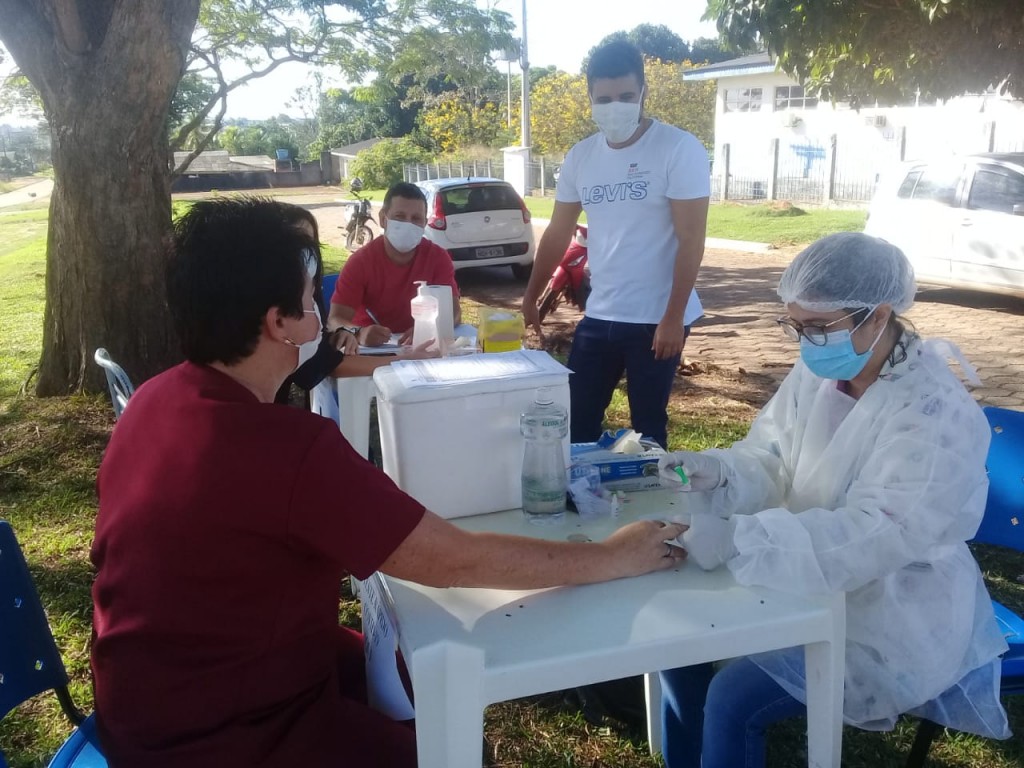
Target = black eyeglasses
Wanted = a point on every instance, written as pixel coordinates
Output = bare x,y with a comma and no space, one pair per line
815,334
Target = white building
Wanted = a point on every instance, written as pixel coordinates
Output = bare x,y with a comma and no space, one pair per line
820,151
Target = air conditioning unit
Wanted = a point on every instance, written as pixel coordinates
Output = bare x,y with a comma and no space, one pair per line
876,121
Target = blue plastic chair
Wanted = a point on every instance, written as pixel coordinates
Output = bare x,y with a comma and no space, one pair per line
118,383
327,283
29,660
1003,525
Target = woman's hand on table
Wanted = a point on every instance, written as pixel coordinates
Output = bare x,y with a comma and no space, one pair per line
645,546
343,341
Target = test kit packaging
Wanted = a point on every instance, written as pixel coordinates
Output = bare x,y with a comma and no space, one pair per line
621,471
449,427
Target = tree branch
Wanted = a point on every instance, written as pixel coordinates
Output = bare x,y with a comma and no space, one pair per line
70,26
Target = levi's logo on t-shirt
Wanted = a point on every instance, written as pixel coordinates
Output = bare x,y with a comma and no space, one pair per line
613,193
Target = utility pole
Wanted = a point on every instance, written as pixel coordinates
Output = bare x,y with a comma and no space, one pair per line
524,62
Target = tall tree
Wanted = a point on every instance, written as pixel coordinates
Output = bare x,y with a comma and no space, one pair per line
860,50
655,41
106,71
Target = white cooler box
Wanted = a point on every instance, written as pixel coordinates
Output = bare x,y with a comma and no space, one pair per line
454,444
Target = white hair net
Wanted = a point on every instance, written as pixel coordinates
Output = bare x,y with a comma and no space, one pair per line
849,270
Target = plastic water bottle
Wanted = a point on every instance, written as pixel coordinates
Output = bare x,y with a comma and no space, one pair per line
544,426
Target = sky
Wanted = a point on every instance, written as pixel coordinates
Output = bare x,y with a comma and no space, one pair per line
559,33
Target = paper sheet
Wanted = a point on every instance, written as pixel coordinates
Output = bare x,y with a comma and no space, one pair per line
392,347
453,370
384,685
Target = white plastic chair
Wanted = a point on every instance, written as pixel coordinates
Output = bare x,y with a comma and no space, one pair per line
118,383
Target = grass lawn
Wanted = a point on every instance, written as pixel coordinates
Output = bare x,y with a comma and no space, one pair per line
52,448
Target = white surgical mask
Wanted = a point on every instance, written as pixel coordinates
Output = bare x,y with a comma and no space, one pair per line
308,348
618,120
403,235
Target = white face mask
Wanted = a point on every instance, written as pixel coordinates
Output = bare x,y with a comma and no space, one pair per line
618,120
308,348
403,235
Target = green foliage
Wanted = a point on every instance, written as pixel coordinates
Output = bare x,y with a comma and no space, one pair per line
559,113
687,105
260,139
655,41
860,52
380,166
453,124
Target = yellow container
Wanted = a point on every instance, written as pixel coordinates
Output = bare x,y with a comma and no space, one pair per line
501,330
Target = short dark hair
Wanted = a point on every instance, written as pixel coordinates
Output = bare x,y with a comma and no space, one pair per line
230,261
296,214
615,59
404,189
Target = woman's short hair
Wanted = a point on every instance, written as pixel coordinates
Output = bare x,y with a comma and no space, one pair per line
230,261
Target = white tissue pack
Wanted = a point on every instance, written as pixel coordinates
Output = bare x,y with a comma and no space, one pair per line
626,462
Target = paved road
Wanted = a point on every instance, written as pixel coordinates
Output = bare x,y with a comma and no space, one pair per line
738,291
40,190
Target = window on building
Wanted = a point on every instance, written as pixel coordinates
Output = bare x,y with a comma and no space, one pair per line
996,189
744,99
793,97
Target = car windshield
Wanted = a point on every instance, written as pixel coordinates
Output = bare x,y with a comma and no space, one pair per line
476,198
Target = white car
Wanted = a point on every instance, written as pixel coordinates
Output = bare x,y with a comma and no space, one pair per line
959,220
481,222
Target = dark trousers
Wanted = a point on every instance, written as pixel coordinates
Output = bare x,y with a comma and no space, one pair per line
602,351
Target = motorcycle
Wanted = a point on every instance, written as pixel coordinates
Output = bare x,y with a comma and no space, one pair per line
359,228
571,280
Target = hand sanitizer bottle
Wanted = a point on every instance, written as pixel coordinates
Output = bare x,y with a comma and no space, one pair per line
424,314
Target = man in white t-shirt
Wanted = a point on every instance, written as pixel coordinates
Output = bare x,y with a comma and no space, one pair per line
645,187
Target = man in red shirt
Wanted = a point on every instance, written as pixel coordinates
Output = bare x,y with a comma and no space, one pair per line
379,280
226,524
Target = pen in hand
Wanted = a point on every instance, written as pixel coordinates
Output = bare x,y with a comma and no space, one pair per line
372,316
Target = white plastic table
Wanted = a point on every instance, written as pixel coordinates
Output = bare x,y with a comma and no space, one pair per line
467,648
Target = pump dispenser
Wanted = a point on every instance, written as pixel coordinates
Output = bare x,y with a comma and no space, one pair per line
424,309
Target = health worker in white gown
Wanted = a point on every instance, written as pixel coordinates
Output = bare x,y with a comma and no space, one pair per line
864,473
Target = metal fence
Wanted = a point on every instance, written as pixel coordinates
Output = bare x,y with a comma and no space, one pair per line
541,174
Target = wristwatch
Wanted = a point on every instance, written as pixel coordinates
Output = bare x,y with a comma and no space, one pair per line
353,329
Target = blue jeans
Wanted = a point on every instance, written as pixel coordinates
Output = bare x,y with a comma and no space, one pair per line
718,720
602,351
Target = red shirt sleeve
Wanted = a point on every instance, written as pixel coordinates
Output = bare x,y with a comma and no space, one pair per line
346,509
350,288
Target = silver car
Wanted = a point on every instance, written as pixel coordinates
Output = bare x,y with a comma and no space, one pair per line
481,222
960,220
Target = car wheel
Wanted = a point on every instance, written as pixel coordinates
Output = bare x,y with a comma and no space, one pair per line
522,271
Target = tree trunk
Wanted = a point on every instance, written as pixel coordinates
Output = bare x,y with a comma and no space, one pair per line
107,71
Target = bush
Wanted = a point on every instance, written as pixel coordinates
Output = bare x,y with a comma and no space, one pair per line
380,166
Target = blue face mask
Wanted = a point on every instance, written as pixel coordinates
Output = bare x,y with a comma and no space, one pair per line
837,359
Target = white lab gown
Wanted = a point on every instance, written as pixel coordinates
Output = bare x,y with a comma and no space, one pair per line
876,497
